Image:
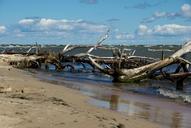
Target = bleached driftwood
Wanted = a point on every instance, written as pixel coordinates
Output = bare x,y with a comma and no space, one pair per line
146,71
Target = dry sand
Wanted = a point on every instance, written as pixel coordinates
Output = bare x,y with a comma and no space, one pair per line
26,102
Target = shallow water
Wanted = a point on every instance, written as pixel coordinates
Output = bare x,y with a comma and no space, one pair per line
149,101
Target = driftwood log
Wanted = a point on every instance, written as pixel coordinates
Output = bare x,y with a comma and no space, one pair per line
150,71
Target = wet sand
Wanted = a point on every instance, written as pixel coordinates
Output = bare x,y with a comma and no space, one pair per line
26,102
171,113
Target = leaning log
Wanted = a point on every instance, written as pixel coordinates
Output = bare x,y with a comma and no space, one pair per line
146,71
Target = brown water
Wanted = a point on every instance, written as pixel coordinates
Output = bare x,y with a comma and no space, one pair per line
170,113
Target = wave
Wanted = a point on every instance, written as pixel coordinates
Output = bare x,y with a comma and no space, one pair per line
175,95
159,50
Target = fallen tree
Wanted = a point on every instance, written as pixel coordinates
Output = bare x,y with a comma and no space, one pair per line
152,70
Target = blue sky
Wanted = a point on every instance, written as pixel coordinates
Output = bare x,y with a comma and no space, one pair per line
84,21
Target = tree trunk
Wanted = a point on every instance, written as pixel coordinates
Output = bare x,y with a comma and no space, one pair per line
146,71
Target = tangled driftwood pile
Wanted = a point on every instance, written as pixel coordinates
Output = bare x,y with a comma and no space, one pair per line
123,66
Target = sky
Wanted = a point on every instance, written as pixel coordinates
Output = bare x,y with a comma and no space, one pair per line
130,22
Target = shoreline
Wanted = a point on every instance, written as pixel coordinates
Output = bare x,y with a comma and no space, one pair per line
27,102
151,107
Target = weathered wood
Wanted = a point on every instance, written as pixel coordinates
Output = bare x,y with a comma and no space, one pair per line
146,71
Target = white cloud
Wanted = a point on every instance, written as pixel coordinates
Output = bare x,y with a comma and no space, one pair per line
143,30
44,24
58,25
26,21
2,29
89,1
186,10
48,30
20,35
48,22
172,29
164,30
160,15
124,36
184,13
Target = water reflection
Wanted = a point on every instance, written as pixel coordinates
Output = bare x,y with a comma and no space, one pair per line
114,100
176,120
163,113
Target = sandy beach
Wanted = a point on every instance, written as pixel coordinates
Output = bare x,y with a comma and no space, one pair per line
26,102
